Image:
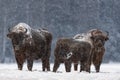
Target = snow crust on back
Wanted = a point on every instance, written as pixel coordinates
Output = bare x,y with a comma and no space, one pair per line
86,37
22,27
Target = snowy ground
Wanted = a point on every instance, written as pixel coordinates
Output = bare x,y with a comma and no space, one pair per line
9,72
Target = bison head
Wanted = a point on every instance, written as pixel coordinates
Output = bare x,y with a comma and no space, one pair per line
99,37
18,34
17,39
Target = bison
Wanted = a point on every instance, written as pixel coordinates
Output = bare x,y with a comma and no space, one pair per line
70,50
98,39
30,44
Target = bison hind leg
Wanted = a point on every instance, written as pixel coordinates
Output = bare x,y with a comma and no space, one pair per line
29,64
45,64
68,66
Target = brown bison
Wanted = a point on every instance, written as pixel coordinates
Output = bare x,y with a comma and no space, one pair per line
98,39
30,44
69,50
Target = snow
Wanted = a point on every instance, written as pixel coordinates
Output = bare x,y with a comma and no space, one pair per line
84,37
109,71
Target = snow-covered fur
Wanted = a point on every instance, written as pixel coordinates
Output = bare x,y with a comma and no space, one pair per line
86,37
22,27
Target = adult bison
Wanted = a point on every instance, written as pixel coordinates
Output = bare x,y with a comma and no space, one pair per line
70,50
98,39
30,44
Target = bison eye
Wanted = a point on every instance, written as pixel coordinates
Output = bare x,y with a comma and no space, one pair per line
106,38
92,37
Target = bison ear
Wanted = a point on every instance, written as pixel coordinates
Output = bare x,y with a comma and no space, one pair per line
9,35
106,38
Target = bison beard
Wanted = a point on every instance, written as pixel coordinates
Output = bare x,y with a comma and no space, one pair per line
36,45
79,51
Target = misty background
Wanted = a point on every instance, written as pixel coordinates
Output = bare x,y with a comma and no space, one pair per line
63,18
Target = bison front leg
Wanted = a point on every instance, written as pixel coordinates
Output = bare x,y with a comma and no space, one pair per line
68,66
29,63
20,60
97,66
56,65
97,62
19,64
45,64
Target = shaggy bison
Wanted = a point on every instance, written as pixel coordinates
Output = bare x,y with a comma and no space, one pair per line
30,44
98,39
72,50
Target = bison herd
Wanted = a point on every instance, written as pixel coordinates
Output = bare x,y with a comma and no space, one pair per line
31,44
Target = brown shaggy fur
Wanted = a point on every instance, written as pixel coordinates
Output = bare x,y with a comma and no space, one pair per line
38,46
81,51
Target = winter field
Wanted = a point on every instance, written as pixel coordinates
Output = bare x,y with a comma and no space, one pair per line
109,71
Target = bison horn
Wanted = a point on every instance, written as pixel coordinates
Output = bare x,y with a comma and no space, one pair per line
9,29
25,30
107,33
93,31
